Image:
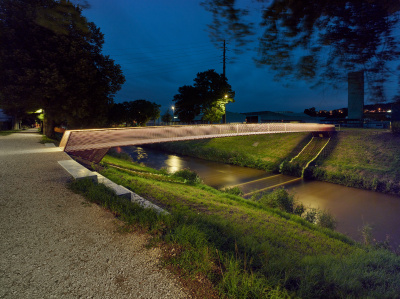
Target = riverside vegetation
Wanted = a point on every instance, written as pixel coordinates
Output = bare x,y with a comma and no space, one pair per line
260,248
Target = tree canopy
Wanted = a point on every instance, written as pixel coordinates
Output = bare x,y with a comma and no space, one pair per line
133,113
50,57
167,117
319,41
209,95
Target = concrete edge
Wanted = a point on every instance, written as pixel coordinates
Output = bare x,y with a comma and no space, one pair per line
78,171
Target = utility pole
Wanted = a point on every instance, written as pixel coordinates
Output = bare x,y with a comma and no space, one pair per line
223,62
223,73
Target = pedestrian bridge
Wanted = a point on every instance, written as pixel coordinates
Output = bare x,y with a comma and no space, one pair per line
93,144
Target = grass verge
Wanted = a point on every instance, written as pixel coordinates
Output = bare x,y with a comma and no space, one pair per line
9,132
242,248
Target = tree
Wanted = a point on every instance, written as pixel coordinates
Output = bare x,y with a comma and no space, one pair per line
141,111
167,117
311,111
187,103
319,41
209,94
117,114
50,57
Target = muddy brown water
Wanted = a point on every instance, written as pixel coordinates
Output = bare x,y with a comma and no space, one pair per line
353,208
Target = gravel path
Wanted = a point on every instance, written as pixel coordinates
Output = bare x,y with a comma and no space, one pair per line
53,244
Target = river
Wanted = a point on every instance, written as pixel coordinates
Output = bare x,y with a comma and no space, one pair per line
353,208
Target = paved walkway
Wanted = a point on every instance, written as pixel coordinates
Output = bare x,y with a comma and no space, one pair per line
53,244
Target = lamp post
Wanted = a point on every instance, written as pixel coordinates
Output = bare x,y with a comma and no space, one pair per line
173,114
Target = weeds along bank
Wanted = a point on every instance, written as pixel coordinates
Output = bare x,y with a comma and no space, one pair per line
241,248
362,158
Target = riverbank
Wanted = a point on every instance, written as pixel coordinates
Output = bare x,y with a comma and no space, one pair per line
363,158
245,248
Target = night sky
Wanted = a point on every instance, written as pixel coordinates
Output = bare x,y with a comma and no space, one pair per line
162,45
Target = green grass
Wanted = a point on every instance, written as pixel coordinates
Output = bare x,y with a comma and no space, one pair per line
46,139
366,152
244,248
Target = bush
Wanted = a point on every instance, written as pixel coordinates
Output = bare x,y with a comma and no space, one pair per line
289,168
234,191
326,220
279,198
311,215
189,176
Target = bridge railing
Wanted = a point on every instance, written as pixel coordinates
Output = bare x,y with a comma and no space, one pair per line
93,144
78,140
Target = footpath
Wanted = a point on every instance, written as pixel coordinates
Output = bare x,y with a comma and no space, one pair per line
54,244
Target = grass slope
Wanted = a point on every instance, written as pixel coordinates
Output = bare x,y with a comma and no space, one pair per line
246,249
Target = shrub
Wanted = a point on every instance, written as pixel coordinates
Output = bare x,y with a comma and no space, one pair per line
327,220
289,168
311,215
366,233
299,209
189,176
279,198
234,191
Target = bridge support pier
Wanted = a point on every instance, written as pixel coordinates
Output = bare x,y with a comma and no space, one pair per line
89,156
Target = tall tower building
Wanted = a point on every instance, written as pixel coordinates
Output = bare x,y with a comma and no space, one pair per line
356,95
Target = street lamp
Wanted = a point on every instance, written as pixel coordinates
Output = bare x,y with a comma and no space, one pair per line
173,114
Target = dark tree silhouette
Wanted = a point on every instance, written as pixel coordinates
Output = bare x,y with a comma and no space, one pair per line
141,111
319,41
50,58
209,95
167,117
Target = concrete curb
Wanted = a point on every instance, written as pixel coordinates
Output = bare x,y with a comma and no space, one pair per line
77,171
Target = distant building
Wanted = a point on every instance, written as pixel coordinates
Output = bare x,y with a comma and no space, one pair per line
356,95
232,117
284,116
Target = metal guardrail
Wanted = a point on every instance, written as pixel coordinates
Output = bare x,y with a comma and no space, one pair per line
93,144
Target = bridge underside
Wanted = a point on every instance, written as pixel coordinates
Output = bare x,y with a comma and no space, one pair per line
92,145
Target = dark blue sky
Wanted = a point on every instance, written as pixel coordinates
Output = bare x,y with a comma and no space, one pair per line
162,45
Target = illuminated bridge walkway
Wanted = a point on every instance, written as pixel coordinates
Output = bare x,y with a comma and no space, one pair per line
92,145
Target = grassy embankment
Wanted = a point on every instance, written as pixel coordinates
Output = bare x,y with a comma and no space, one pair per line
361,158
243,248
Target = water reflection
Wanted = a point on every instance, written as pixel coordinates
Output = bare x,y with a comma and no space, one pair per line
217,175
354,208
173,163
